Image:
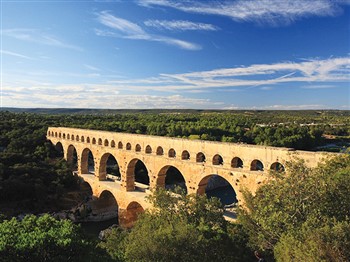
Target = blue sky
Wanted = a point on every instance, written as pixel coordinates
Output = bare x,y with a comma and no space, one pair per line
239,54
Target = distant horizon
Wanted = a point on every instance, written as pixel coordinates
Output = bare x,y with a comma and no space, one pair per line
224,54
166,109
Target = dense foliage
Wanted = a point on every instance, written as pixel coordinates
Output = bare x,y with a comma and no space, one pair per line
180,228
43,239
31,172
303,215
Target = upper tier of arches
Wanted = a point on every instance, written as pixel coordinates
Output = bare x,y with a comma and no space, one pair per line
184,154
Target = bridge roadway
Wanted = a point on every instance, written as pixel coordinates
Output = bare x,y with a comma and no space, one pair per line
197,161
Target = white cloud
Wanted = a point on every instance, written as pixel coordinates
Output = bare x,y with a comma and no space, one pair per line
128,30
312,71
180,25
37,36
318,86
90,67
261,11
4,52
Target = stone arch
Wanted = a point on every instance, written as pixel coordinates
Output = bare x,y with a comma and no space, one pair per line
160,151
106,143
87,164
236,162
200,157
77,138
172,153
185,155
72,137
112,143
128,217
138,148
120,145
170,177
94,141
256,165
218,160
217,186
48,133
72,157
128,146
82,139
148,149
100,141
64,136
137,172
59,135
278,167
106,205
86,189
88,140
55,134
59,150
68,136
108,166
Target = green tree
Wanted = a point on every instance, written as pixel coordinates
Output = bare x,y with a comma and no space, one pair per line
42,239
310,200
180,228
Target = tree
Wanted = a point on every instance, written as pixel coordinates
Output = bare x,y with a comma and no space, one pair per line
180,228
42,239
314,201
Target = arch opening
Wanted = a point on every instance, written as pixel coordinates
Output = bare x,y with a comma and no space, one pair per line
59,151
72,137
87,162
94,141
120,145
55,134
138,148
82,139
236,162
129,216
185,155
160,151
218,160
106,143
137,175
112,143
64,136
172,153
109,168
277,166
106,206
77,138
148,149
169,177
88,140
256,165
200,157
100,142
128,146
72,157
217,186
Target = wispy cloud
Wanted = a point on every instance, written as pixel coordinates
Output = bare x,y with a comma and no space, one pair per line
90,67
311,71
129,30
37,36
318,86
262,11
180,25
4,52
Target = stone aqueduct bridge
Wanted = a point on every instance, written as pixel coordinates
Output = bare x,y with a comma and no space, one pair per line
241,165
